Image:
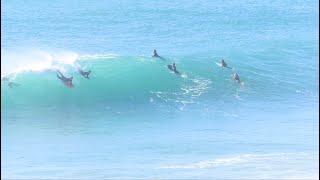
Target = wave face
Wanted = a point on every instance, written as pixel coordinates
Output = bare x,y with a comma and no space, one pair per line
113,78
143,79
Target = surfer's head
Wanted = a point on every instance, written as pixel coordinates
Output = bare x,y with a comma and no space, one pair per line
155,53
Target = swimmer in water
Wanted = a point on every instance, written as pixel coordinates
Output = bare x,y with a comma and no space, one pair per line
224,64
236,78
155,54
84,74
64,79
173,68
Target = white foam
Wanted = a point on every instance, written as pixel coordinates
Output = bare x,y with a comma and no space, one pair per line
243,160
89,57
200,86
16,61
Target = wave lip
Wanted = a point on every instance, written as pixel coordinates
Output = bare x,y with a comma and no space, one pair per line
97,56
13,62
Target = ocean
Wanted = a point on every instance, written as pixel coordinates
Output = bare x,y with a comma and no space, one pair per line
136,119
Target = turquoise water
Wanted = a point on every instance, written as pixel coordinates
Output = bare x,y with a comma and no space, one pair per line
135,118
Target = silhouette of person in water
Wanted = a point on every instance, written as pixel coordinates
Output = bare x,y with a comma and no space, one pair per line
174,67
84,74
63,78
223,64
155,54
236,77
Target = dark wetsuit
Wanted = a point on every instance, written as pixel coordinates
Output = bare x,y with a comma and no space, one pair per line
85,74
236,78
174,68
64,79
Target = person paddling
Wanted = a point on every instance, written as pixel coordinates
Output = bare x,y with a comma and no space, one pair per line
84,74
